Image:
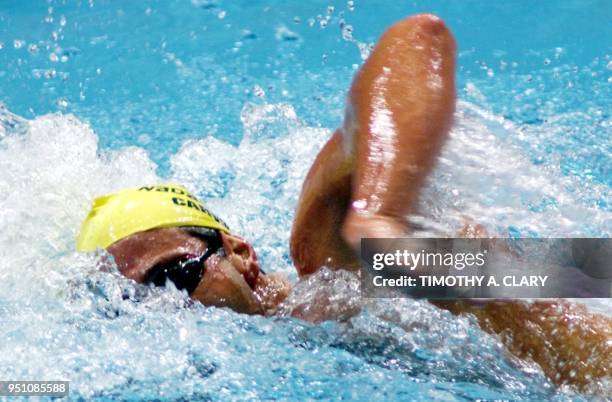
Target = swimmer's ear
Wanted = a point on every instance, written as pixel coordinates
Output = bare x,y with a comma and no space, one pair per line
239,251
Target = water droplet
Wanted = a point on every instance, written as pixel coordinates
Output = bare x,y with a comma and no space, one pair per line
283,33
248,34
18,43
62,103
347,32
258,91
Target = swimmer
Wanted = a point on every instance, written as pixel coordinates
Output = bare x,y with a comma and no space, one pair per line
363,183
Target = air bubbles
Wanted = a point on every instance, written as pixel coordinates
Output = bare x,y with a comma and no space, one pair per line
350,5
221,14
546,61
330,10
98,71
53,57
62,21
297,20
1,45
18,43
148,11
609,65
490,72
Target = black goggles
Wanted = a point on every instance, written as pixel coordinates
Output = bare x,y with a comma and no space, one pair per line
186,271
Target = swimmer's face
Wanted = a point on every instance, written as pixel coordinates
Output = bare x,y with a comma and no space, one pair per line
231,276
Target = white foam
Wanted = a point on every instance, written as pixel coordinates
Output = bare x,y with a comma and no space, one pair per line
58,303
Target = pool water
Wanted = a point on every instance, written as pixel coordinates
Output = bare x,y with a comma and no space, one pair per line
234,99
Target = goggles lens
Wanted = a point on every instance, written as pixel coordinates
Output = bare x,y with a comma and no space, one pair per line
186,271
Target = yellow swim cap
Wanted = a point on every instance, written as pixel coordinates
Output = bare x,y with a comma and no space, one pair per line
117,216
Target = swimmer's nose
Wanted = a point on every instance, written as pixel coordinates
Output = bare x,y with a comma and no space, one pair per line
242,256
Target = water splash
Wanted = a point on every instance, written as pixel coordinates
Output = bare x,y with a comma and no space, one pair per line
114,337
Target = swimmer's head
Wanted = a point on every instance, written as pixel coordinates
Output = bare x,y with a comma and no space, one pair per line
163,233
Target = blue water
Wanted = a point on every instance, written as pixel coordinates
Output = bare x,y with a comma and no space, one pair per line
234,99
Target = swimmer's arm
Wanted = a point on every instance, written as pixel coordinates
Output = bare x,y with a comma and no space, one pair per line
315,237
367,178
570,344
400,111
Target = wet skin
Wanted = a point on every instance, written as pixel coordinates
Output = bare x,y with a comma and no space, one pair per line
363,183
367,178
231,279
